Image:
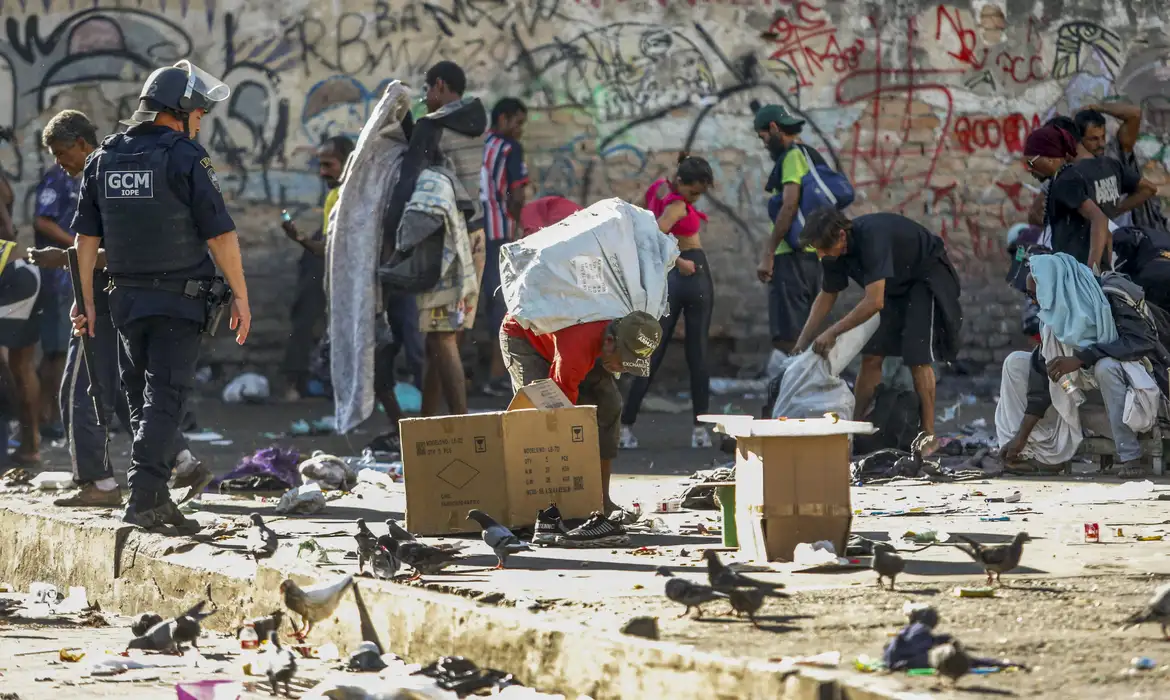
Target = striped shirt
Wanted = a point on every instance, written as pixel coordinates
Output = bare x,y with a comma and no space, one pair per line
503,171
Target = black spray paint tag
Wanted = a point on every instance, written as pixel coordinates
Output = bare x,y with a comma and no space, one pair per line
129,184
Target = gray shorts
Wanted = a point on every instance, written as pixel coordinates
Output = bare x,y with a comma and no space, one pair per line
598,388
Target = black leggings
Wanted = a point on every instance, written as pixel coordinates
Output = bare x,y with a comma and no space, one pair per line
694,297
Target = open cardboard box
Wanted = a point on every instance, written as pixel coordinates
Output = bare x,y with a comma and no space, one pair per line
509,464
791,482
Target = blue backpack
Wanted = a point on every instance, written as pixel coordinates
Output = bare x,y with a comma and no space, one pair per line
821,187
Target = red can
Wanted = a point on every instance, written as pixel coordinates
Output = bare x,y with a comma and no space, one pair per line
1092,532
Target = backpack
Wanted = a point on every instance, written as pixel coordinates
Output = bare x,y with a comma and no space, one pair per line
896,414
821,186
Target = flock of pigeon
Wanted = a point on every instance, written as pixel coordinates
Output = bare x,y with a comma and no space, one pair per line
387,554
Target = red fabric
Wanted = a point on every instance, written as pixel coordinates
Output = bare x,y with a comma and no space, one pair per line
685,227
572,351
545,211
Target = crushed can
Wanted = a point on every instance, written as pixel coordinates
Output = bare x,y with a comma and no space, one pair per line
1092,533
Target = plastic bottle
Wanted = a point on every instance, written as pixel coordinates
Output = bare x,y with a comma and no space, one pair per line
1066,383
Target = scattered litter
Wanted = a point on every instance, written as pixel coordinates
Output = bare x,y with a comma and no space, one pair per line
366,659
43,593
332,473
74,603
867,664
71,655
270,469
816,554
321,426
221,443
202,436
1149,538
249,387
1014,497
1142,663
316,553
995,519
51,481
926,536
974,592
302,500
669,505
17,476
209,690
826,659
373,476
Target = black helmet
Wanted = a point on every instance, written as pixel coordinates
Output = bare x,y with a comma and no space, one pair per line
179,89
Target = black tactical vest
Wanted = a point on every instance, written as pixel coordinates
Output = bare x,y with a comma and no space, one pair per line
147,228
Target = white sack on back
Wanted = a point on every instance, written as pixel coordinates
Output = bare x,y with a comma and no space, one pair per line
599,264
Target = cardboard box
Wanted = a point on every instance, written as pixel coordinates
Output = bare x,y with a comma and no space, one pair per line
509,464
791,482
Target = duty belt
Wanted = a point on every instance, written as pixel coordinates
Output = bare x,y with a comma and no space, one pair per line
190,288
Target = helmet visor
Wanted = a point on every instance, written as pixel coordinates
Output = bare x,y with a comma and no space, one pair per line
201,84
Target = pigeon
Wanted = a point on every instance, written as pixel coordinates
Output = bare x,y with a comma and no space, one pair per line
144,622
1157,610
266,624
384,564
725,579
921,613
398,532
262,540
997,559
280,665
423,558
367,544
950,660
688,593
170,635
747,600
887,563
314,603
498,537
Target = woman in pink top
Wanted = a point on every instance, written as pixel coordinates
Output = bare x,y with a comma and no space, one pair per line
690,290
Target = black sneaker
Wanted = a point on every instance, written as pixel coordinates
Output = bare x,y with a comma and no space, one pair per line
549,525
597,531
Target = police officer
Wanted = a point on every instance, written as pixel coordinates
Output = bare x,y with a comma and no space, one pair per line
150,197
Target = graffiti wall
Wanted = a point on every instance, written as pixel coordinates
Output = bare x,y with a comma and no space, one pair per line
925,106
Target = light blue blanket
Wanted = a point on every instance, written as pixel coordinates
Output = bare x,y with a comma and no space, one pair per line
1071,301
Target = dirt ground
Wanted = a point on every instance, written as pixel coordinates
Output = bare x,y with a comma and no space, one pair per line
1064,630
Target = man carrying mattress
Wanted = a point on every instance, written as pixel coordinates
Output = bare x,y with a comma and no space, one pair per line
584,361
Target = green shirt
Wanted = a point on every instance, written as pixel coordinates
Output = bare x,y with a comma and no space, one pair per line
793,169
330,200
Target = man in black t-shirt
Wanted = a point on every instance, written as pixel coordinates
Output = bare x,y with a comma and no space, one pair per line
907,278
1080,193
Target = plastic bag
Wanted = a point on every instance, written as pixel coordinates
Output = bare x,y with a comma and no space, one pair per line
599,264
811,385
304,500
249,387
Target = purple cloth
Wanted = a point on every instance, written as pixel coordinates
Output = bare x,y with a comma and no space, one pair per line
56,200
271,464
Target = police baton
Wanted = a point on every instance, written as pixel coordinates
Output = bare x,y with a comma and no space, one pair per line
95,387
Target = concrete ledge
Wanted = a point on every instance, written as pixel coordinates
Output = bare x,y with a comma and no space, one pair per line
133,572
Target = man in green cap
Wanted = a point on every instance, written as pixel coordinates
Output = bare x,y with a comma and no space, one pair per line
584,361
794,274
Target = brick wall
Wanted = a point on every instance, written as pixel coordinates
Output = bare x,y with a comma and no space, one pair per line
924,105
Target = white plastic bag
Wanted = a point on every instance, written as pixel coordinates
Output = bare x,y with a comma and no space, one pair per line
304,500
249,386
601,263
812,387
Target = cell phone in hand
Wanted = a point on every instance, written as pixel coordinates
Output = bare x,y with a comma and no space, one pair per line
284,216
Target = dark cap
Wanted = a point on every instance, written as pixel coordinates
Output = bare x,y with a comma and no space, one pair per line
637,336
774,113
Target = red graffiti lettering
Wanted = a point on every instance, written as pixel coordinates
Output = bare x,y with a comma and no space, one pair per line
992,132
964,40
1022,69
808,43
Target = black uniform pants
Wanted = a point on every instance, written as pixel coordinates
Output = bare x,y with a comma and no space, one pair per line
87,440
693,297
157,360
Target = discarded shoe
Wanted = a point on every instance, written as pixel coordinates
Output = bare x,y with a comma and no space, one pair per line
549,526
597,531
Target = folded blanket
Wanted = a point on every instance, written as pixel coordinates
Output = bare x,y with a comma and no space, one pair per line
1071,302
